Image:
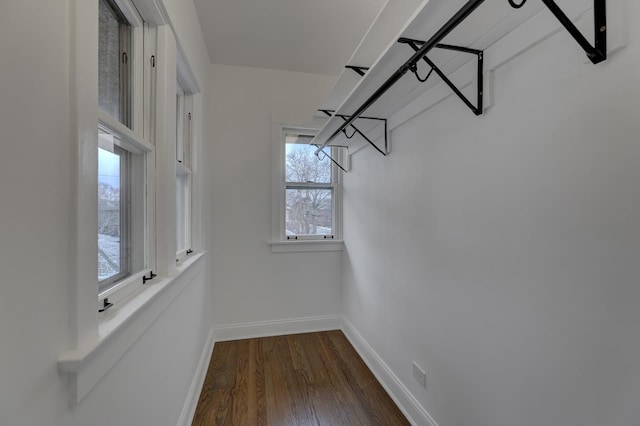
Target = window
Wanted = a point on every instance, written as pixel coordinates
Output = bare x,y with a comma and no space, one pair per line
311,190
125,172
116,122
184,119
121,202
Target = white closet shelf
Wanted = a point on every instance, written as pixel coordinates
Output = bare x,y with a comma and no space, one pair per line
440,38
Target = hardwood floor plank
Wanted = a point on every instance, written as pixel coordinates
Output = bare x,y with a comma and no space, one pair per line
298,380
215,399
243,393
261,394
296,383
335,404
364,385
279,401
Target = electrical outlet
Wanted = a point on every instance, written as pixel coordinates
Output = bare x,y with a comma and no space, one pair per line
420,375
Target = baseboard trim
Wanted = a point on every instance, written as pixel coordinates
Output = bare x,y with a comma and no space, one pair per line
411,408
191,403
277,328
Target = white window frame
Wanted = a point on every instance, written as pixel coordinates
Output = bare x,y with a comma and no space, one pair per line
135,137
184,164
96,341
279,241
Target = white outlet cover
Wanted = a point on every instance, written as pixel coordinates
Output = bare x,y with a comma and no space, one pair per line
420,375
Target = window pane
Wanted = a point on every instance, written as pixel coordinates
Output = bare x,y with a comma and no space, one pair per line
109,215
113,79
180,125
301,163
181,210
309,211
121,211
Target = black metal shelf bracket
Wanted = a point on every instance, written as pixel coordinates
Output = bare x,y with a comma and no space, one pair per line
330,113
359,70
415,45
330,158
598,52
351,135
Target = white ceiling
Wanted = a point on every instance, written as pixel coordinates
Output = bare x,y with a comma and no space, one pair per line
314,36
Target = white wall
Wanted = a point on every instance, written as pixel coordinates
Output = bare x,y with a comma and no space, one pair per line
149,383
501,252
252,283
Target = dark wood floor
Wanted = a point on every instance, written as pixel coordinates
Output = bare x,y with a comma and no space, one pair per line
298,380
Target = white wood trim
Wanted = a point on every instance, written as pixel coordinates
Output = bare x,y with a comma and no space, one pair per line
165,208
186,77
152,11
120,327
191,402
84,104
306,245
277,328
408,404
125,133
130,12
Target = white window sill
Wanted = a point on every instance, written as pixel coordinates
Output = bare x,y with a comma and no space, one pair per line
306,245
121,326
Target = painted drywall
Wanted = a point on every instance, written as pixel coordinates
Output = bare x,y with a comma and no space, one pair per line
38,166
251,283
501,252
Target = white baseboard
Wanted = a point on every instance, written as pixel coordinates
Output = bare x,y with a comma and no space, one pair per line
191,403
411,408
277,328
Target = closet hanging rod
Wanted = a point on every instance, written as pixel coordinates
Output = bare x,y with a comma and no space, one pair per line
451,24
330,112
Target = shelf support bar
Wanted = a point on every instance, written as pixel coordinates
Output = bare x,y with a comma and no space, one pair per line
329,113
449,26
359,70
478,108
330,158
597,53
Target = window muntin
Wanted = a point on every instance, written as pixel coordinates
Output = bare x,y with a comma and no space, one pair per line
309,190
114,47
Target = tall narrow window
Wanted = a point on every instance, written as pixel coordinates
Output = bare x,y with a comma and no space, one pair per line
124,234
121,210
183,171
311,189
114,63
112,219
